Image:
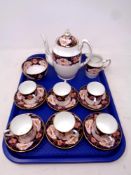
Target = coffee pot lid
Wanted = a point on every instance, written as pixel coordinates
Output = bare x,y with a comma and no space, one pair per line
67,40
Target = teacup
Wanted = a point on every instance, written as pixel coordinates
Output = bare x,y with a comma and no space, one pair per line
28,89
95,93
62,91
102,130
64,130
35,67
22,127
64,121
29,95
95,65
106,123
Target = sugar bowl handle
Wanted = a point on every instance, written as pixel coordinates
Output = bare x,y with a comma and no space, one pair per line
85,42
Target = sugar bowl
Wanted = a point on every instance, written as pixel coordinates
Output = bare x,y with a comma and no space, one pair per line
35,67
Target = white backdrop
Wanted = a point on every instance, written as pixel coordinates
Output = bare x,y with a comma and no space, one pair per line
107,26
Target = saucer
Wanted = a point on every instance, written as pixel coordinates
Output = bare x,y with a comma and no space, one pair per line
35,68
102,105
51,100
31,101
13,142
97,138
64,140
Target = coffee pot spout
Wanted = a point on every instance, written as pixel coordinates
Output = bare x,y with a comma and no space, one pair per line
47,51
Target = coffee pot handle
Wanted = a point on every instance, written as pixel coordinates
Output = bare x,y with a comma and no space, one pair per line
85,42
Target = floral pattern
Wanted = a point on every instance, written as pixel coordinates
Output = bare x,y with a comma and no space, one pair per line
52,102
30,101
67,41
35,61
20,143
98,139
66,61
83,100
64,140
92,71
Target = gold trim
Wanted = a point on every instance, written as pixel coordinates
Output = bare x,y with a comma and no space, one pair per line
64,148
42,102
29,76
103,149
66,58
79,99
22,151
51,106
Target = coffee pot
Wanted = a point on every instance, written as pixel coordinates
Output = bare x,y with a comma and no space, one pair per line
66,54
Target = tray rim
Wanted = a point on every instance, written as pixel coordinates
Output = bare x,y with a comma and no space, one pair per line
66,160
60,160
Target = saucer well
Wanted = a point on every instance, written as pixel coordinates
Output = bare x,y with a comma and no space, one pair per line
82,99
64,140
14,142
98,139
35,68
31,101
51,100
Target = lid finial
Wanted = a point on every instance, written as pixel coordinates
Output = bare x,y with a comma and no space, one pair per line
67,32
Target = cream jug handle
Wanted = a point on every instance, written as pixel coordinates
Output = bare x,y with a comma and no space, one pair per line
106,63
85,42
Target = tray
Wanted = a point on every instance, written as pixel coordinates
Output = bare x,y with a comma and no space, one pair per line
83,152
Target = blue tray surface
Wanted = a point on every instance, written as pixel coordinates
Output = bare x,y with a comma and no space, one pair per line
83,152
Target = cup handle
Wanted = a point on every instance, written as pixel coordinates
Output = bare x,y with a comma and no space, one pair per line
7,132
106,63
85,42
94,100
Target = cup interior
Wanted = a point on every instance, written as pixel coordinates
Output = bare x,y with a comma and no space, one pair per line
35,69
96,89
27,87
106,123
96,61
21,124
62,89
64,121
